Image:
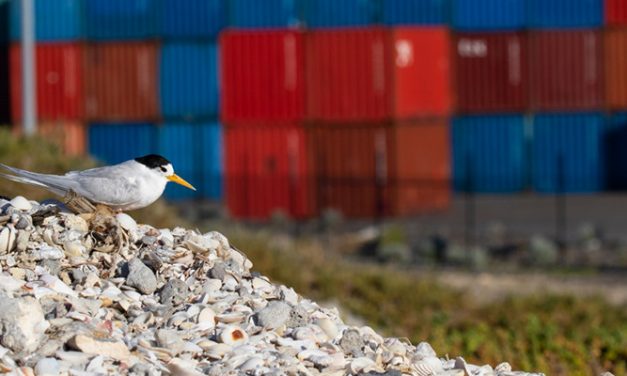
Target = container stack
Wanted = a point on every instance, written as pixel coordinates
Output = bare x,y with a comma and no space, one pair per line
5,101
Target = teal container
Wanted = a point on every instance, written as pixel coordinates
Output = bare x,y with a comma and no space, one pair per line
55,20
121,19
118,142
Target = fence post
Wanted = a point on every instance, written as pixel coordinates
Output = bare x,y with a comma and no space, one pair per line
469,210
560,207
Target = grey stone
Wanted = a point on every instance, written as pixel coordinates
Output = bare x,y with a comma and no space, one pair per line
149,240
23,222
78,276
174,292
22,324
352,343
218,272
53,266
298,317
274,315
141,277
170,339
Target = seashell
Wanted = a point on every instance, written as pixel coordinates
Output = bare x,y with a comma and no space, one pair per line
47,253
8,236
74,249
460,363
218,350
328,326
126,221
20,203
75,223
231,317
428,366
180,367
57,285
193,310
47,367
251,364
395,346
191,348
424,350
362,365
503,367
206,315
233,335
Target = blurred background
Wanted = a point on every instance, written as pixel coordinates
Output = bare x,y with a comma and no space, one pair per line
487,138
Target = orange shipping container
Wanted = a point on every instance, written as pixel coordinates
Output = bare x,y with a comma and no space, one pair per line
366,171
70,136
121,81
615,63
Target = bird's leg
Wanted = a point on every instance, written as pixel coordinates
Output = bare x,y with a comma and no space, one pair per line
78,204
105,210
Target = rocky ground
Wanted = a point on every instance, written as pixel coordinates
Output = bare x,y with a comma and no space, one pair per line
101,294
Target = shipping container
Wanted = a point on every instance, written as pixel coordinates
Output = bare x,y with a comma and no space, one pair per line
566,70
615,68
262,76
59,79
113,143
195,150
5,91
615,12
69,135
491,72
489,154
379,170
339,13
567,152
425,12
55,20
192,18
493,15
189,80
266,171
374,74
255,14
121,19
565,13
121,81
614,152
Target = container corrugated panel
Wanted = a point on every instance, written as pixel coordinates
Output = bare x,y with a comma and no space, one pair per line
192,18
69,135
489,154
55,20
121,81
483,15
59,69
566,70
262,76
5,91
189,80
121,19
195,152
266,171
420,86
491,72
385,169
615,152
565,13
615,12
615,64
118,142
567,152
254,14
425,12
339,13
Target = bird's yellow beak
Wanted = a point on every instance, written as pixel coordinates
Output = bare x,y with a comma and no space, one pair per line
178,180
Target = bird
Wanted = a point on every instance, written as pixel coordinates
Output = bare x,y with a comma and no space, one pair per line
130,185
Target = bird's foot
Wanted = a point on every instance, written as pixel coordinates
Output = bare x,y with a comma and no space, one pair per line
78,204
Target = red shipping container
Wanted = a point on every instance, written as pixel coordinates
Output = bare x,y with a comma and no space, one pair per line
262,76
566,70
59,81
491,72
367,171
615,12
377,73
615,72
121,81
266,171
70,136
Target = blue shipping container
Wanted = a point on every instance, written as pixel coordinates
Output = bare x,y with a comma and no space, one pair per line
485,15
565,13
263,14
339,13
189,80
121,19
115,143
195,151
489,154
567,152
55,20
192,18
403,12
615,152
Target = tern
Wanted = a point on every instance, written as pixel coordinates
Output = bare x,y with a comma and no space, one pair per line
129,185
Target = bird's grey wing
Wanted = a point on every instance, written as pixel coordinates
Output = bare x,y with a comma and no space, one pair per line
109,190
59,185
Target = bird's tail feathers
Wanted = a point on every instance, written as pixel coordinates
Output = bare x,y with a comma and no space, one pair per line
20,179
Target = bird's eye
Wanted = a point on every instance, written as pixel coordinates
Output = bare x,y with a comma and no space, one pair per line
163,169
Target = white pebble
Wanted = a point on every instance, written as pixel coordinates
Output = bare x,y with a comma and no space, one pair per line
20,203
126,221
47,367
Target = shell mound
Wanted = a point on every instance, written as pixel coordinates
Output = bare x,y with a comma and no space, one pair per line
101,294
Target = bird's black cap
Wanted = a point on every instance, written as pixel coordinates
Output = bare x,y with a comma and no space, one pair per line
152,160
